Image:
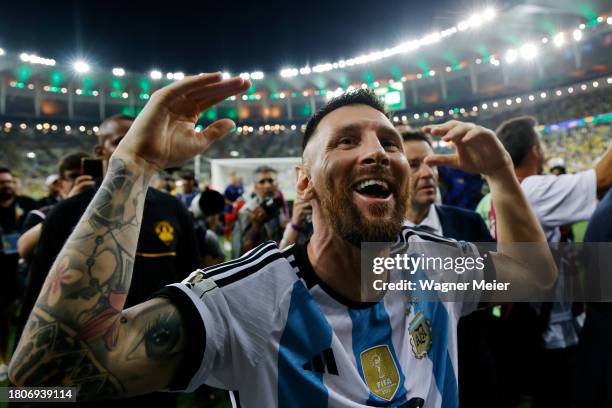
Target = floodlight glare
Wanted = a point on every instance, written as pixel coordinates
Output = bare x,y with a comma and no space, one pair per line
511,56
119,72
529,51
155,74
80,66
559,39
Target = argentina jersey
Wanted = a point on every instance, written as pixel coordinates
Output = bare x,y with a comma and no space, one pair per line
265,327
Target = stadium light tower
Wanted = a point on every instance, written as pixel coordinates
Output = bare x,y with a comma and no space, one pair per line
80,66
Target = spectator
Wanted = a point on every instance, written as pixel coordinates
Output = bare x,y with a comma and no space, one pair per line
556,200
54,187
13,209
206,209
189,187
299,229
262,217
71,183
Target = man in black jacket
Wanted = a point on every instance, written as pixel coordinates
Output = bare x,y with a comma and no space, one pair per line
166,251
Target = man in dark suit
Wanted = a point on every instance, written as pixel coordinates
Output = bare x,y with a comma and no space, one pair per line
478,382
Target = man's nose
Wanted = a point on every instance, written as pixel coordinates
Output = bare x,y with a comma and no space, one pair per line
373,152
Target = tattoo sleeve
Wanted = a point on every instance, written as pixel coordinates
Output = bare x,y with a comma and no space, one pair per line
78,333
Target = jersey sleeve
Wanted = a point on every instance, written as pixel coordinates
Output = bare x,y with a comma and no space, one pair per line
229,312
564,199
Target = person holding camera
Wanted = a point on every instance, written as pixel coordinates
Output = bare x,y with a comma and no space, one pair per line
263,217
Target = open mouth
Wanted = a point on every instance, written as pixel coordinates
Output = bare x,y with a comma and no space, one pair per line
374,188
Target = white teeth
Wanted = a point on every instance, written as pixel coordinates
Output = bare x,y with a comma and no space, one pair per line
366,183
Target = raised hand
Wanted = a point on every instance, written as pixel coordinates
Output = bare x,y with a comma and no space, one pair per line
478,149
164,133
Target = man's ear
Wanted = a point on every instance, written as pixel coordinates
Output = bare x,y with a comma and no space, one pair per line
99,150
303,185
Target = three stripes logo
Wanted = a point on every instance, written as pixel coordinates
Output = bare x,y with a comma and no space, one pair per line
322,363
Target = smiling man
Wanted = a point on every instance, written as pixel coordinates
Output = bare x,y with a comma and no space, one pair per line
283,328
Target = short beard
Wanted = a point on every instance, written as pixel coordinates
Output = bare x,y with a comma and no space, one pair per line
348,223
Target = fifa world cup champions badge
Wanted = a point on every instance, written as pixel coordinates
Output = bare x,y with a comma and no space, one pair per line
380,371
420,335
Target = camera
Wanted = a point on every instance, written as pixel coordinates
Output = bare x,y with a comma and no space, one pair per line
272,206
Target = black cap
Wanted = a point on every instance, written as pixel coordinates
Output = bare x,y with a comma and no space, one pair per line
211,202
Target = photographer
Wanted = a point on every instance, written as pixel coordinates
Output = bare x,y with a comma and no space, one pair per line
262,218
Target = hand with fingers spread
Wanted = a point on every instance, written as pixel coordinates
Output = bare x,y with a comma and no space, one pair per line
164,133
478,149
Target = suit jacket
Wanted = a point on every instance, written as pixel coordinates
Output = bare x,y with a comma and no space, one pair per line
462,224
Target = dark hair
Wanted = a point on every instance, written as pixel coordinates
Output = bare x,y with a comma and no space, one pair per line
356,97
117,117
71,161
518,135
265,169
188,175
418,135
6,170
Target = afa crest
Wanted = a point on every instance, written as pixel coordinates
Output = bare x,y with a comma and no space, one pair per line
420,335
380,371
165,232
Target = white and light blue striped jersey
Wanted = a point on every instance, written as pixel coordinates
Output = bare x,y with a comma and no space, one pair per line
265,326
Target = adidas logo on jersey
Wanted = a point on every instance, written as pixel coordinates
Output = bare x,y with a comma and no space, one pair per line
321,363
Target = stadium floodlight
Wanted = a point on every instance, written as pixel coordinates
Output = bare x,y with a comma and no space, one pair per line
609,80
80,66
289,72
609,20
170,76
543,95
155,74
35,59
31,155
559,39
118,72
577,35
305,71
226,75
511,56
245,75
177,76
529,51
257,75
570,90
595,84
2,51
485,106
489,14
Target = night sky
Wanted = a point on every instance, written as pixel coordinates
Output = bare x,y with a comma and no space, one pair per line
205,35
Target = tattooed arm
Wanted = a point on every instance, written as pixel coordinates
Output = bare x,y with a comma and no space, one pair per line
78,333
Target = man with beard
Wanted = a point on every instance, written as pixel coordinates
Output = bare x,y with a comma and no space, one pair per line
261,218
284,328
13,209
